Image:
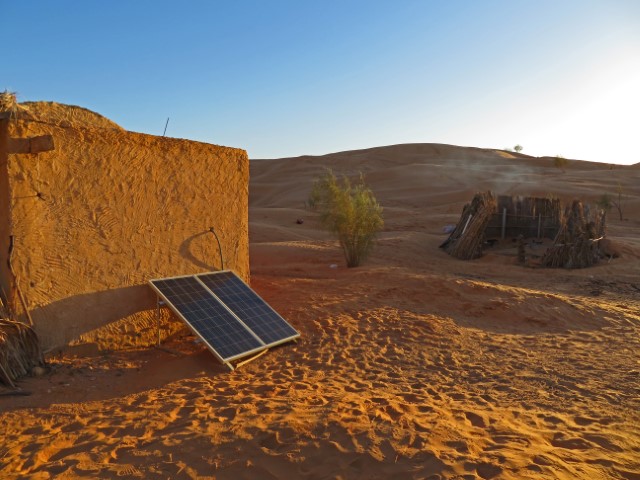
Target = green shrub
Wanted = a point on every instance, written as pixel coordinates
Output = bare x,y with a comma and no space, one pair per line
351,212
605,202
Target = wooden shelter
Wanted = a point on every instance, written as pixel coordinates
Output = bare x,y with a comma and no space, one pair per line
574,233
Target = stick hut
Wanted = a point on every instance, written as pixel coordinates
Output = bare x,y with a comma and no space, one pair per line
575,232
577,241
465,242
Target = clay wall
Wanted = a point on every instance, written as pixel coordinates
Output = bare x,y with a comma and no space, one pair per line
4,212
105,211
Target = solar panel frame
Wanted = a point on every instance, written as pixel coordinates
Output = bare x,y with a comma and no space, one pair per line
265,307
176,310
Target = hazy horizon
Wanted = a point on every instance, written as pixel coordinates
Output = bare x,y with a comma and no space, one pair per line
507,149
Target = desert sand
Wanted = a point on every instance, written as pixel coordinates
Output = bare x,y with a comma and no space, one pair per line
413,366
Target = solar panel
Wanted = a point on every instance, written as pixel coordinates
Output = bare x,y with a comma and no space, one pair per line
254,312
225,313
208,318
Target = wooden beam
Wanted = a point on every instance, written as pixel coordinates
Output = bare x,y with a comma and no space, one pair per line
42,143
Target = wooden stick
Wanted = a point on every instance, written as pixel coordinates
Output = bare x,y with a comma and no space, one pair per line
239,364
169,350
22,393
539,224
466,224
6,377
16,281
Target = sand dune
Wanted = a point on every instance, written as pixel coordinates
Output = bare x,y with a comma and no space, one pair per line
415,365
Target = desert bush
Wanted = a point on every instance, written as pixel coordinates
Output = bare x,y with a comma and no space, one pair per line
518,148
560,162
349,211
8,102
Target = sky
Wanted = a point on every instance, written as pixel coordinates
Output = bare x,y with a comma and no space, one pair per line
283,78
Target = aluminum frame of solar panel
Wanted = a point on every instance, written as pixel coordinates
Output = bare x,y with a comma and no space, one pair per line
249,307
187,304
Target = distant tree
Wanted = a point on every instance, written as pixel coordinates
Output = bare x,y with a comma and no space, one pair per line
619,200
560,162
607,201
518,148
349,211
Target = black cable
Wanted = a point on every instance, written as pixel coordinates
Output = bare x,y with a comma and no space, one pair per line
211,229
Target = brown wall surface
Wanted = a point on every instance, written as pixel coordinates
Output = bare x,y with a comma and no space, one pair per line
106,211
4,212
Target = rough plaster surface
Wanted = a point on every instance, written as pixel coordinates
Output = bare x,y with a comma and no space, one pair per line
4,209
106,211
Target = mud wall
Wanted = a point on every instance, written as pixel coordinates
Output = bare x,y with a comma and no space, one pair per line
107,210
4,212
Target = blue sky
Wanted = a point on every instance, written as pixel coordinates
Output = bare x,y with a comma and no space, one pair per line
286,78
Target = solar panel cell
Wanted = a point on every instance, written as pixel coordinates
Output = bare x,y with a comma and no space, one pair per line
213,322
263,320
225,312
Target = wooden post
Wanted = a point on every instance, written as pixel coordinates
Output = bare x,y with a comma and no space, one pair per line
42,143
504,223
539,225
158,318
522,258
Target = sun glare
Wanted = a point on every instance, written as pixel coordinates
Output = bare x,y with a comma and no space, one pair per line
599,117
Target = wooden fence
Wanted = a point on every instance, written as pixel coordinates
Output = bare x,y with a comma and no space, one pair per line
527,216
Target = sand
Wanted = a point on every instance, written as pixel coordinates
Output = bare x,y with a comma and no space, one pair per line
415,365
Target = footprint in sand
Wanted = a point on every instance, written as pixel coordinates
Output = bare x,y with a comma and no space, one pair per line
603,442
476,420
583,421
127,471
458,446
571,443
483,469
